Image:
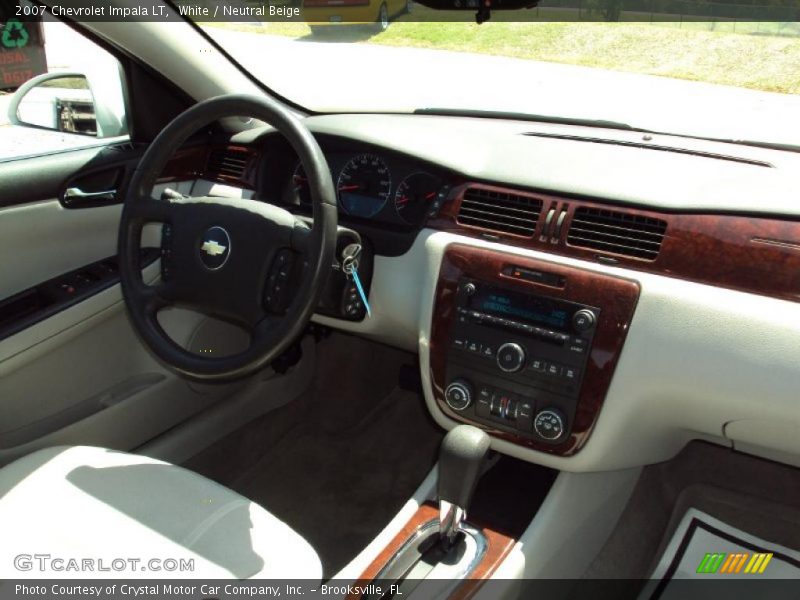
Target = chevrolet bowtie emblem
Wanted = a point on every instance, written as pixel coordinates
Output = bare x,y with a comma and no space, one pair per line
213,248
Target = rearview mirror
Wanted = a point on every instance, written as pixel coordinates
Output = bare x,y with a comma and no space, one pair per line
483,8
478,4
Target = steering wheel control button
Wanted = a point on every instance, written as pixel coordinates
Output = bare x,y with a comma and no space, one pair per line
550,424
166,251
215,248
458,395
583,320
276,292
510,357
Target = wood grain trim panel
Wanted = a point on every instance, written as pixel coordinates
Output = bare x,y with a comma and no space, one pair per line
751,254
186,164
615,297
192,163
499,544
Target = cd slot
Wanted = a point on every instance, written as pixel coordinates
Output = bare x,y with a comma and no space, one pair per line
540,333
534,276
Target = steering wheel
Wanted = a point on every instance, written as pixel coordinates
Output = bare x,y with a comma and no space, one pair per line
225,257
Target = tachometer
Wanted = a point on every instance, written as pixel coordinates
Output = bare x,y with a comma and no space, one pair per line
296,191
364,185
414,195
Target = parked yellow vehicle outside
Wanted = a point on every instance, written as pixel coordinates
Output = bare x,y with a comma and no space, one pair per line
321,13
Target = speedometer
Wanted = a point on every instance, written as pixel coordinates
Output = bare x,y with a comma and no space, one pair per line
364,185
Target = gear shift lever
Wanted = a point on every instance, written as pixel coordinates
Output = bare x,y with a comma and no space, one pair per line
461,457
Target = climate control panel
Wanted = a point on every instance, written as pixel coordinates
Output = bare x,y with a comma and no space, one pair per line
516,361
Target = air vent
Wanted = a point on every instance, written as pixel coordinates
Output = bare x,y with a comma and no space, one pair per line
617,232
227,162
499,211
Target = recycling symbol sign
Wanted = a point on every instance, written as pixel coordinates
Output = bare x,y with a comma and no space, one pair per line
14,34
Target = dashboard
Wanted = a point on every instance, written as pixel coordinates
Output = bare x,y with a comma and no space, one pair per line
686,254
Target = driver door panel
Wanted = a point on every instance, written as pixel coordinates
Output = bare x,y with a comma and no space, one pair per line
79,374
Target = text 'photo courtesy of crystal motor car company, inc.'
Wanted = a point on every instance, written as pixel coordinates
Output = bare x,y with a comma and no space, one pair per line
399,299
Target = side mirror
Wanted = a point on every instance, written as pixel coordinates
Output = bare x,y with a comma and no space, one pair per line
55,101
90,103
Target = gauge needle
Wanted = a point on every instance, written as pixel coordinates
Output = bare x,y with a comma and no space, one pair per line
348,188
429,196
402,200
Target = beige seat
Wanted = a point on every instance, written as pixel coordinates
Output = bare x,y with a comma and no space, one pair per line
92,504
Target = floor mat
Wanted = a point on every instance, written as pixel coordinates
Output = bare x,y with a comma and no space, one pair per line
338,490
338,463
752,494
708,549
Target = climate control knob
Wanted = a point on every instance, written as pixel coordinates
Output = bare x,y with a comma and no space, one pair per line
458,394
510,357
550,424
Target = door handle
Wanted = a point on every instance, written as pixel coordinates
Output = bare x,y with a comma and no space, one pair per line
75,195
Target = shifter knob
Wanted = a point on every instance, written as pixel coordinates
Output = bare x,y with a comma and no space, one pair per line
461,457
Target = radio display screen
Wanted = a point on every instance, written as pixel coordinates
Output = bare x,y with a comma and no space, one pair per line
512,305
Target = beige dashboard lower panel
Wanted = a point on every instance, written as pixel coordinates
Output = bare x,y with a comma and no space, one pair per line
696,356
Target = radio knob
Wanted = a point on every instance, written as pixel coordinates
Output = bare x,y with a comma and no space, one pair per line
583,320
469,288
458,394
510,357
550,424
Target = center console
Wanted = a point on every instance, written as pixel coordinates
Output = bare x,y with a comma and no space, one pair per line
525,349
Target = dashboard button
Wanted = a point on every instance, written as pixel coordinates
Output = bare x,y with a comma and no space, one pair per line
525,410
512,407
501,404
537,364
484,401
583,320
510,357
469,288
554,369
578,345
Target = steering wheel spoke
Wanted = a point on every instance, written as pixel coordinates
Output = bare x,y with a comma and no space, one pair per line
146,209
156,296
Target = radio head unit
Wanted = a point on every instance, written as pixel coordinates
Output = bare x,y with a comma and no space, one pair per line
517,360
526,348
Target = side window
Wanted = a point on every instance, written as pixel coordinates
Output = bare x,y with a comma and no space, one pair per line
58,89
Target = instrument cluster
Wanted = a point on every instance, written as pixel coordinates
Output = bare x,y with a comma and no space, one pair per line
372,186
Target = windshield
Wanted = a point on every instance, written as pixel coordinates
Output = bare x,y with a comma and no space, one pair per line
724,79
